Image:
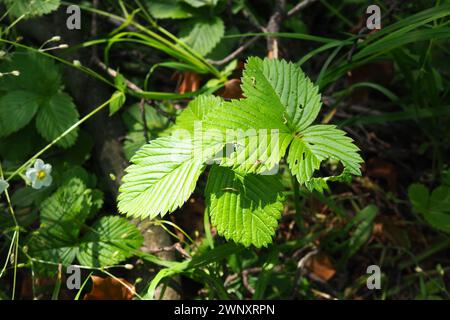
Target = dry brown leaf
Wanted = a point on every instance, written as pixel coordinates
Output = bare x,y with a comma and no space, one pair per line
110,289
232,90
189,82
321,266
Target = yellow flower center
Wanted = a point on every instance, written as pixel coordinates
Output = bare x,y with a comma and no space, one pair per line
41,174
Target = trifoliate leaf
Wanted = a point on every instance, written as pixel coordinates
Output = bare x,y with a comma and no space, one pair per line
109,241
255,133
435,208
17,108
246,208
36,90
56,116
203,34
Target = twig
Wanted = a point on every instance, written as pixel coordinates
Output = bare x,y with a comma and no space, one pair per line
130,85
303,4
274,26
245,282
235,53
300,270
113,73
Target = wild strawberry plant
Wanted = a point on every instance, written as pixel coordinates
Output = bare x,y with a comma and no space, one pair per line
273,122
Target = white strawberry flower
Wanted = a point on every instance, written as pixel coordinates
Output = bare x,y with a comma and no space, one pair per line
39,175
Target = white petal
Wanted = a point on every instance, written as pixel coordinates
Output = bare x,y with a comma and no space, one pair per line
47,168
39,164
37,184
47,181
31,174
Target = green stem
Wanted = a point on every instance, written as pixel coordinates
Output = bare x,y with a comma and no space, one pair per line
51,144
296,188
444,244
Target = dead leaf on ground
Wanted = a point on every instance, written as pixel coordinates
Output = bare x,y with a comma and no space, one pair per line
231,90
187,82
321,266
110,289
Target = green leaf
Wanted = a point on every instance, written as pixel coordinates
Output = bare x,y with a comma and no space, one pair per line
17,108
61,216
31,8
65,211
133,142
364,226
56,116
255,140
168,9
109,241
317,143
285,88
152,185
435,208
133,119
419,196
197,111
201,3
255,133
21,144
119,99
43,245
161,179
38,74
203,34
280,106
246,208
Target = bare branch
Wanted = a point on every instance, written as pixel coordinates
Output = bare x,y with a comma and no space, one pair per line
300,6
235,53
274,26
